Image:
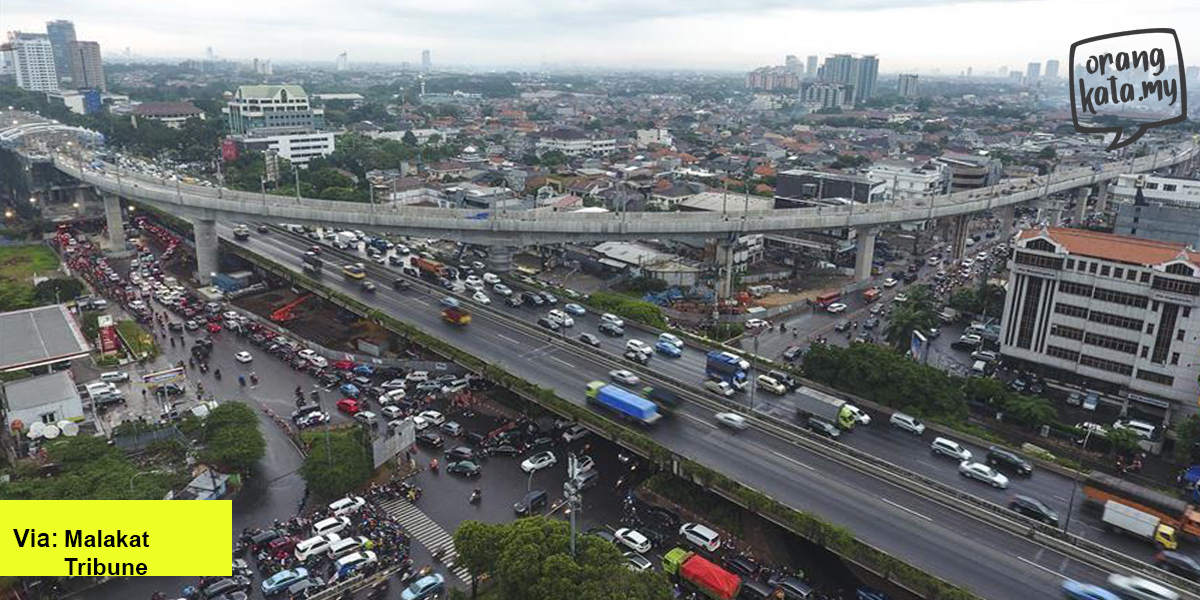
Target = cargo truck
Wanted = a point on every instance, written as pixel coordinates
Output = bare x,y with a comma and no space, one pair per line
815,403
429,269
456,315
727,367
312,263
623,402
694,571
1099,489
1132,521
872,294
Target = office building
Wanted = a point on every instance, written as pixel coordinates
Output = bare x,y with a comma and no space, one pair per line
868,78
62,35
772,79
810,67
903,180
796,188
33,61
81,102
426,61
908,87
971,172
1157,208
343,63
1052,69
858,74
1116,314
280,118
1033,72
574,142
87,69
793,64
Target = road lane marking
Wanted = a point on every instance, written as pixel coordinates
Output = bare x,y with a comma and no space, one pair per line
907,510
501,335
704,423
1046,569
1067,500
791,460
562,361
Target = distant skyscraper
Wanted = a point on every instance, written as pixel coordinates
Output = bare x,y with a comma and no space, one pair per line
810,68
793,64
908,86
969,70
62,35
1016,76
209,53
426,61
343,63
33,61
1052,69
858,74
1032,73
87,70
868,77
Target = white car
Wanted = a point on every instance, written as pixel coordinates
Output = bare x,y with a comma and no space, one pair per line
538,461
614,319
633,540
907,423
473,283
731,420
502,290
347,505
419,423
752,324
481,298
1138,588
561,318
983,473
637,562
949,448
859,414
491,278
433,417
391,413
770,384
243,357
890,282
417,376
836,308
624,376
638,346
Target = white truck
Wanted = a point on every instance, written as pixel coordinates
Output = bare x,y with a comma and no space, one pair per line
1139,524
345,239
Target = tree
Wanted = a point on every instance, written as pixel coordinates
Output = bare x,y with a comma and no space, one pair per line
531,559
1029,411
338,461
90,469
883,376
903,322
409,138
1188,431
1122,441
231,437
57,290
553,158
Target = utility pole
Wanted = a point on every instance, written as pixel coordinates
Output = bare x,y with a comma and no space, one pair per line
296,170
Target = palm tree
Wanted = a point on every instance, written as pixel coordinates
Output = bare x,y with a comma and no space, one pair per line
915,314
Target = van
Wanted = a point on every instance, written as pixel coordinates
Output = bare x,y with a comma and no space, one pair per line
950,448
318,544
455,386
352,562
908,423
1143,429
97,388
979,369
114,377
770,384
611,318
701,536
718,387
345,546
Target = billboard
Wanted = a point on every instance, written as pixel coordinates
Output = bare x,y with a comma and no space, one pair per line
109,340
393,441
229,150
919,347
161,377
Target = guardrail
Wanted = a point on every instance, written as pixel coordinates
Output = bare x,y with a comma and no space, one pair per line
1081,549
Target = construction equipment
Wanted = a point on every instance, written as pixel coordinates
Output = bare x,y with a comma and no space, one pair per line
284,313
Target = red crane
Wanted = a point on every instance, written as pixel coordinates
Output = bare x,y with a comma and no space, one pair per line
284,314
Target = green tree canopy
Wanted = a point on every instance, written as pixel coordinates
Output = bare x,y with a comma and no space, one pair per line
231,437
881,375
90,469
338,461
60,289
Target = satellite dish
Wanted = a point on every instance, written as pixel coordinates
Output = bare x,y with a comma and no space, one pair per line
36,429
69,428
51,432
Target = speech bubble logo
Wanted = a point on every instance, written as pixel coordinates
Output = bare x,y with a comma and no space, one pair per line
1131,72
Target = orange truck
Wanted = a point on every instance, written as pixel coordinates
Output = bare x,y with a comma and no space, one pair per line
1173,514
872,294
430,269
456,315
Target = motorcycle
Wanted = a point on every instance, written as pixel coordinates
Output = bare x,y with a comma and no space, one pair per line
476,496
217,374
242,380
253,379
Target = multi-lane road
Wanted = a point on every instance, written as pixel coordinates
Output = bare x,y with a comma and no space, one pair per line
960,549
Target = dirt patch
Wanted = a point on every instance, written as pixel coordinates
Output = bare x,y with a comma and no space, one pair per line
316,320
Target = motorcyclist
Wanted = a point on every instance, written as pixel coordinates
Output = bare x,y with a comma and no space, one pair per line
476,495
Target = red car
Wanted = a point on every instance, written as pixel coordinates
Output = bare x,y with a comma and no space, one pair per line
214,328
343,365
348,405
281,547
314,249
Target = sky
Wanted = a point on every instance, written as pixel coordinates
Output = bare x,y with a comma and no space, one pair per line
921,36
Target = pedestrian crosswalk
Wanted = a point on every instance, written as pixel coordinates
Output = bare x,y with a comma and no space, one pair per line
431,535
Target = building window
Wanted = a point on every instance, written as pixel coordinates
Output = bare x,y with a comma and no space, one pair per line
1063,353
1070,333
1131,275
1029,312
1176,286
1187,312
1145,276
1180,269
1175,358
1040,245
1082,266
1118,273
1168,187
1152,186
1153,377
1179,335
1105,365
1071,310
1104,318
1111,343
1162,341
1122,298
1070,264
1104,271
1092,268
1039,261
1145,351
1075,289
49,418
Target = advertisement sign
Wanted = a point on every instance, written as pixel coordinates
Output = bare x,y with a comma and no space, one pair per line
161,377
229,150
109,341
919,347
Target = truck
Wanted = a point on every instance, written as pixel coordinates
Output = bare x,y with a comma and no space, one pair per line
429,269
694,571
1099,489
727,367
456,315
815,403
872,294
312,263
241,232
1132,521
623,402
346,239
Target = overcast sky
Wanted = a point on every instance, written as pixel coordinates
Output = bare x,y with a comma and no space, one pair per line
924,36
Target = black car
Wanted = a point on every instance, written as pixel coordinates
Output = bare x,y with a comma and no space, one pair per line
823,427
503,450
590,340
431,439
548,298
871,323
611,329
532,502
514,301
1034,509
841,326
1179,564
792,353
603,534
257,541
793,588
548,324
169,389
475,438
460,453
401,284
175,326
742,565
532,299
465,468
263,229
225,586
999,457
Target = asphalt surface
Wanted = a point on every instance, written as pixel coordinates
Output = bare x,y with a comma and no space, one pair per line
962,550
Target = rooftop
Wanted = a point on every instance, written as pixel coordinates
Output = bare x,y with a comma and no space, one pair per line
166,109
723,202
1117,248
270,92
32,392
48,334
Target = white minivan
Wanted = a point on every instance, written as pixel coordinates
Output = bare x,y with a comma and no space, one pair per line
701,536
670,338
908,423
318,544
331,525
114,376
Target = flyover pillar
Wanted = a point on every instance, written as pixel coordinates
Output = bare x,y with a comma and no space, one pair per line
1008,219
864,255
500,259
725,268
116,227
1081,205
1101,198
959,241
207,257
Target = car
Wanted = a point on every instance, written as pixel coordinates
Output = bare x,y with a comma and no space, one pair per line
366,417
549,298
589,339
890,283
466,468
451,428
969,341
900,298
419,423
841,326
481,298
561,318
312,419
473,283
624,376
1074,590
575,309
433,417
907,423
191,325
1000,457
949,448
771,384
349,406
639,346
793,587
986,356
611,318
824,428
243,357
330,525
532,299
871,323
835,308
1178,563
792,353
533,501
611,329
502,290
214,328
429,586
513,301
491,278
860,416
538,461
347,505
282,580
701,536
1139,588
718,387
731,420
503,450
637,562
755,324
1034,509
368,286
549,323
632,539
574,433
460,453
984,473
448,302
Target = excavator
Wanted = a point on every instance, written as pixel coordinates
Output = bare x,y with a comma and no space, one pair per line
283,314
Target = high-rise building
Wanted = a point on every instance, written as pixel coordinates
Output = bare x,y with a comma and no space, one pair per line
868,77
209,53
343,63
62,35
33,61
810,69
1052,69
87,70
1032,73
858,74
279,118
426,61
908,87
793,64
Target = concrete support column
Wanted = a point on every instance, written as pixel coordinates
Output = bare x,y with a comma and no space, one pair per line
864,253
500,258
207,256
116,227
725,268
1008,222
958,244
1081,205
1101,198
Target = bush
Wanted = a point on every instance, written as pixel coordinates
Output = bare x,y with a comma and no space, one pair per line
338,461
231,437
629,308
723,331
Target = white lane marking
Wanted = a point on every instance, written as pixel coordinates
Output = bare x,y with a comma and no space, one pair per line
792,460
704,423
907,510
1046,569
501,335
1067,500
562,361
419,301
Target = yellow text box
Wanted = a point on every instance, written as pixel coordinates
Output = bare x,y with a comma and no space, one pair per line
116,537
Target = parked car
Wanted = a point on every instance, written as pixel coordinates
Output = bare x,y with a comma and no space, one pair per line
538,461
632,539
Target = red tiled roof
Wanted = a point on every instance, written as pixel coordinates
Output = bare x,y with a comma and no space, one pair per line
1114,247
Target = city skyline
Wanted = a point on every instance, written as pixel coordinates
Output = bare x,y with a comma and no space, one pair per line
612,34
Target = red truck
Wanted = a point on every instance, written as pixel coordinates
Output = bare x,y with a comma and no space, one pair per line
430,269
872,294
697,572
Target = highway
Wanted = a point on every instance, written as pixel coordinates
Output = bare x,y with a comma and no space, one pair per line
960,549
